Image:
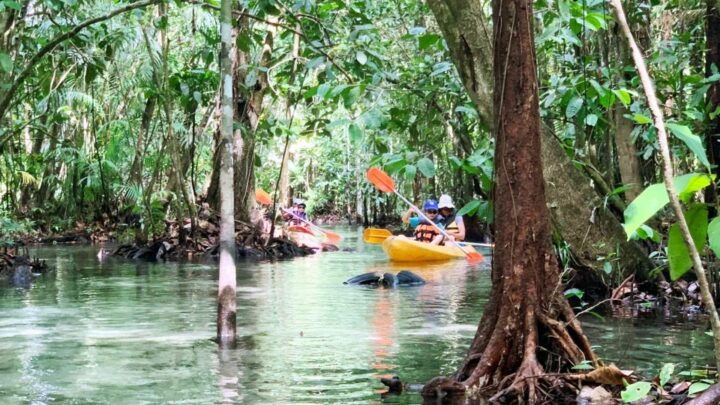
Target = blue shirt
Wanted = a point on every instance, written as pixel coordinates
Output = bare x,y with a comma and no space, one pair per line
415,221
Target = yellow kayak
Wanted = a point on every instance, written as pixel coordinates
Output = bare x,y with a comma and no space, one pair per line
402,249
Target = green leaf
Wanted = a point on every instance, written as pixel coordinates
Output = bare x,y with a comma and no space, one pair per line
678,254
607,99
440,67
395,166
455,162
607,268
5,62
591,120
13,5
469,208
637,391
666,373
623,95
698,387
351,96
410,172
323,89
426,166
573,107
355,133
692,141
465,110
583,365
427,40
244,42
338,89
574,292
714,236
361,57
251,79
654,198
642,119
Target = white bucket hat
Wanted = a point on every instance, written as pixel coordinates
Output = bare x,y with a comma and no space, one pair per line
445,202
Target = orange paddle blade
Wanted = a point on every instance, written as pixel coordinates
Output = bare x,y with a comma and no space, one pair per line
262,197
381,180
474,257
332,237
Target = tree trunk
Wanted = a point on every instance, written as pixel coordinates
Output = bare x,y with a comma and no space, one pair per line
463,24
248,108
247,104
226,318
712,35
627,154
526,317
136,167
284,184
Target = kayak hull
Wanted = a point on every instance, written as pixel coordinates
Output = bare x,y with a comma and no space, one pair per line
402,249
304,239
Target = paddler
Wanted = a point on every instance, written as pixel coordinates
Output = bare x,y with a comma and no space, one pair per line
423,230
452,223
298,211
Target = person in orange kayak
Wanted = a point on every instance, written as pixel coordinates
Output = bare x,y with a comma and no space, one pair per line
452,223
296,212
423,230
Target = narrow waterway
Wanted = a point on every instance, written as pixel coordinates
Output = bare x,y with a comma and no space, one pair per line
125,332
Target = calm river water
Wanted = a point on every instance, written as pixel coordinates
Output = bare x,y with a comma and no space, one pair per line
125,332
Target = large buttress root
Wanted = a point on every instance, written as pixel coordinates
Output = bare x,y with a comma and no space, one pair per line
518,348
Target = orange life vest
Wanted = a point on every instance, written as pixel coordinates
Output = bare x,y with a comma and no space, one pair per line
425,233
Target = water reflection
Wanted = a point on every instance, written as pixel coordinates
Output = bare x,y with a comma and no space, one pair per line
119,331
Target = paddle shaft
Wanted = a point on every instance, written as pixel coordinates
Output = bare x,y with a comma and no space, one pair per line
303,220
422,215
478,244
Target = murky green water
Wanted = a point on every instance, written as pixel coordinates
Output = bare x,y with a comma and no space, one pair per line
124,332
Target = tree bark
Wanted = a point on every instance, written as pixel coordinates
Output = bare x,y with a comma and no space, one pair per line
627,154
527,316
226,318
462,23
136,167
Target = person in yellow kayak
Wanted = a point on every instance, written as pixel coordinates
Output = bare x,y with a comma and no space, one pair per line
452,223
423,230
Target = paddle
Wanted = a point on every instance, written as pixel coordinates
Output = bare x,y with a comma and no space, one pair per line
377,235
332,237
262,197
386,184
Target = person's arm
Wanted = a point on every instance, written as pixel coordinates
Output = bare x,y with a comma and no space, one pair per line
460,234
406,216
